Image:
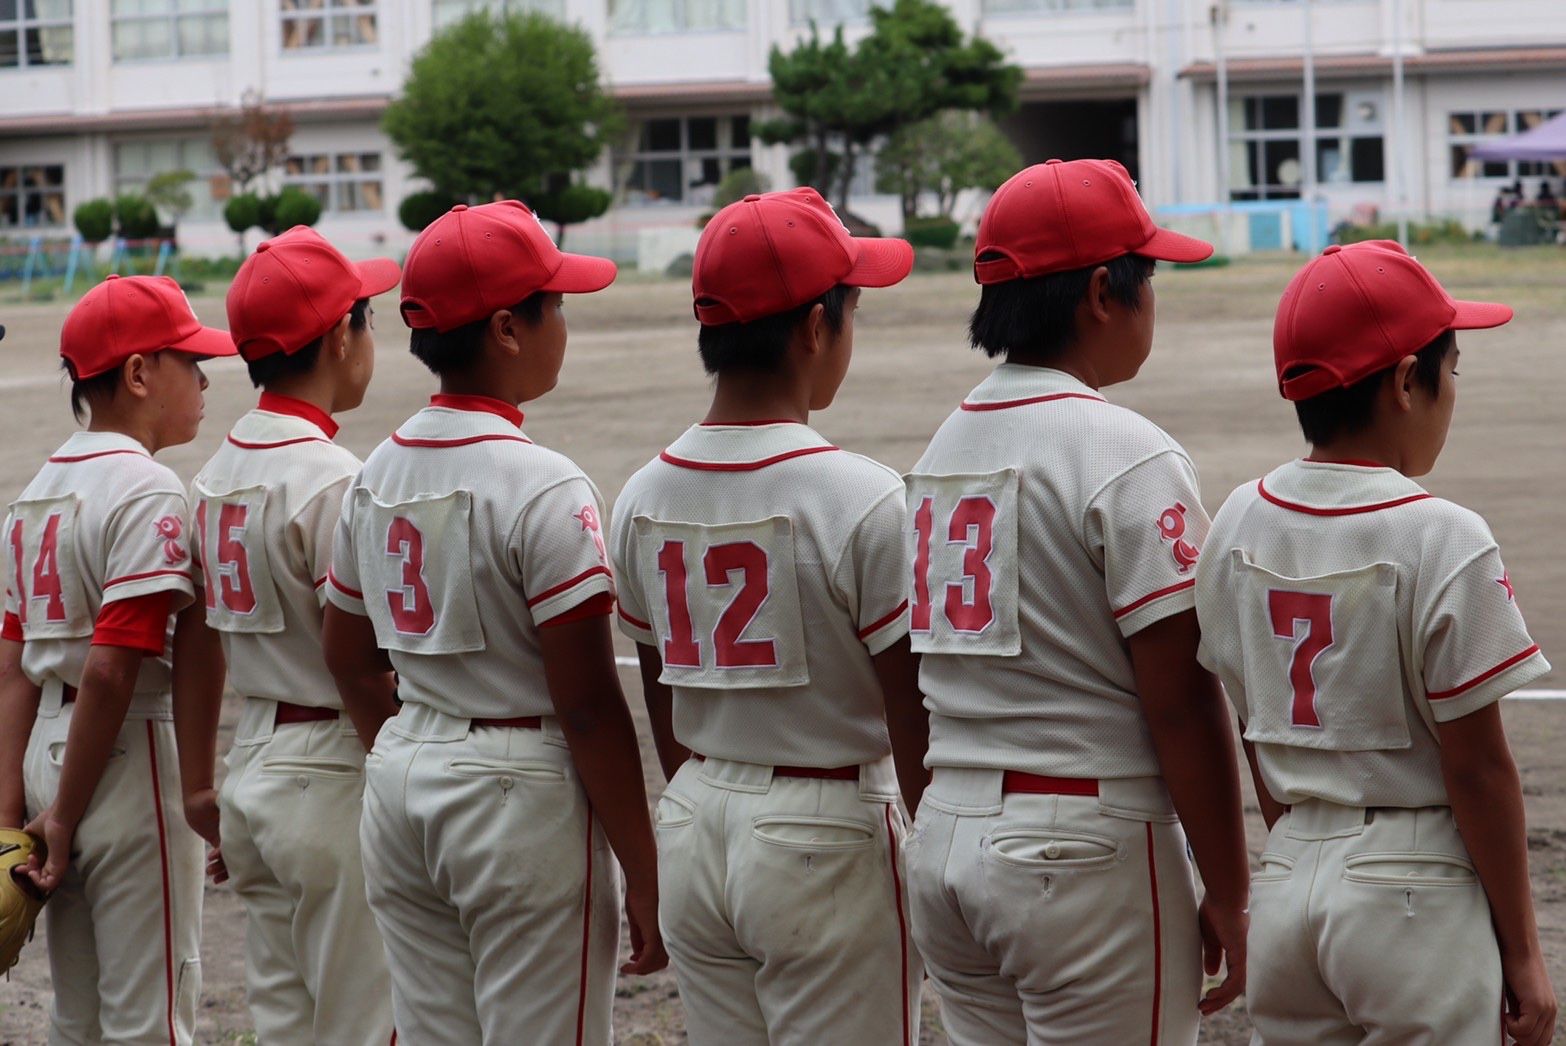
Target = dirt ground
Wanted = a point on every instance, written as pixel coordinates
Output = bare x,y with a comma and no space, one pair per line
632,383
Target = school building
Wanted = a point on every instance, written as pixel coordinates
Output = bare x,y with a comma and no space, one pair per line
1203,100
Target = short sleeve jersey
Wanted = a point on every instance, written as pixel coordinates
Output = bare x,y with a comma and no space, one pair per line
266,509
458,539
99,523
1049,525
1348,612
767,567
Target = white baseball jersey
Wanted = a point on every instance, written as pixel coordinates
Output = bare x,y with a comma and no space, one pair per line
1049,525
767,567
1347,612
101,522
266,508
458,539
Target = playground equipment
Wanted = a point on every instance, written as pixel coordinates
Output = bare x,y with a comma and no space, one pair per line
42,258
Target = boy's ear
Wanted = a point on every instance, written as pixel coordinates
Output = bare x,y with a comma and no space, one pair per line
338,337
134,376
505,331
1096,300
813,330
1403,383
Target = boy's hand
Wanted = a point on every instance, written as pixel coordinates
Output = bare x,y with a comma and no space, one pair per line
201,813
1530,1001
57,836
647,952
215,866
1223,939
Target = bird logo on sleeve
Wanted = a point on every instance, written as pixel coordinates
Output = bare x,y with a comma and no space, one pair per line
1171,527
588,517
169,529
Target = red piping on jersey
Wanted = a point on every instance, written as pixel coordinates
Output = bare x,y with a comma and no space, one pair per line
1160,594
568,585
320,581
344,589
1441,695
747,424
163,859
1353,510
1158,939
70,459
405,441
873,628
587,932
142,577
483,404
741,466
293,407
242,445
902,921
633,620
1008,404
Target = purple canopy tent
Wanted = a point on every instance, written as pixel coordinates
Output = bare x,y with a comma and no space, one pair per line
1544,142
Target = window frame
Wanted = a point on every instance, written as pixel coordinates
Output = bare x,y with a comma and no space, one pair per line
207,174
23,22
1515,169
1343,135
682,25
22,191
1056,8
725,154
330,10
173,16
334,180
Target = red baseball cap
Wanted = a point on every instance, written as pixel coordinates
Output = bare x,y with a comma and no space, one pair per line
295,288
1062,215
125,316
474,261
1355,310
774,252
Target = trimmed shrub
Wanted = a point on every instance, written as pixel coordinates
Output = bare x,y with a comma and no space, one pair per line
418,210
94,220
932,232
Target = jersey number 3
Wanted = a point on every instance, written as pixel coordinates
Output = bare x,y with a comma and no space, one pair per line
1290,611
412,612
720,564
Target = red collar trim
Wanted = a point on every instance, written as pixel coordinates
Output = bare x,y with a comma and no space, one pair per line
740,466
297,408
1006,404
747,424
1352,510
69,459
487,404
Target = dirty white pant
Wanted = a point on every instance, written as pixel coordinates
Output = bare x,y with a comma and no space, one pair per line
495,891
1055,920
315,970
1370,926
783,906
124,927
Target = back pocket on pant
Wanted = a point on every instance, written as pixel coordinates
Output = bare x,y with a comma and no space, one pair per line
1045,849
1409,869
801,832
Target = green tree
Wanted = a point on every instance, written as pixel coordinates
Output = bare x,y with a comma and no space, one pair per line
169,193
419,209
503,106
839,101
942,156
293,206
571,204
136,218
242,212
94,220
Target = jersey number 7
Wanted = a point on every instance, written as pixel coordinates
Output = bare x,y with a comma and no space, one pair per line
1313,610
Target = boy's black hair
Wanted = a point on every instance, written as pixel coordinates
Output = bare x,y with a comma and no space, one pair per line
85,390
458,349
1345,411
760,346
1031,320
279,365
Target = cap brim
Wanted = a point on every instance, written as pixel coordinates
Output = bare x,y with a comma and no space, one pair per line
581,274
881,263
1168,245
1479,315
209,342
377,276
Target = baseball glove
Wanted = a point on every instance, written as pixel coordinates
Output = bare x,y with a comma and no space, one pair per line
20,902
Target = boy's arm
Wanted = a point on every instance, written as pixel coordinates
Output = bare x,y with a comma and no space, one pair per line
199,672
1188,718
1487,804
584,686
659,698
1271,809
361,670
18,710
907,720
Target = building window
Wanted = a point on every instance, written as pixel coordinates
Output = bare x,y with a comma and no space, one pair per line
1008,7
34,33
309,24
675,16
137,160
1267,143
1465,130
32,197
828,12
169,28
681,159
449,11
345,183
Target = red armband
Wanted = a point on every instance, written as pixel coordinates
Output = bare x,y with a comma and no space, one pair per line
600,605
12,629
139,623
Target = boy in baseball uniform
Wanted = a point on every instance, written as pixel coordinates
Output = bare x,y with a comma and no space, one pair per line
471,560
97,559
1072,732
265,510
1365,631
762,573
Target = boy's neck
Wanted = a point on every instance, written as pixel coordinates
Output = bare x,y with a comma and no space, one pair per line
479,383
126,423
1362,448
1071,361
758,397
315,387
